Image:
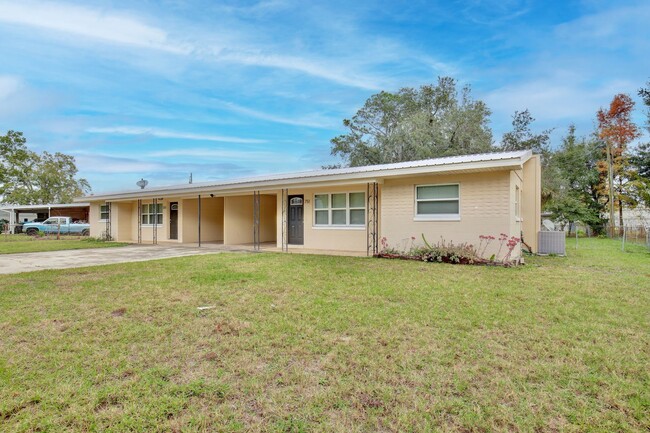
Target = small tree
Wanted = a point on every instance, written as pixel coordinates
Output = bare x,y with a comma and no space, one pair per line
616,129
573,181
522,137
640,161
640,158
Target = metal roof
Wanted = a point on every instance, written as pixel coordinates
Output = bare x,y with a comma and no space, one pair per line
484,161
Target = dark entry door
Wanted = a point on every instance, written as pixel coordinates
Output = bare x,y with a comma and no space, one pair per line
296,220
173,220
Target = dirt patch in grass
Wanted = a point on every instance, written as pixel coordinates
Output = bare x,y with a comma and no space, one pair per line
119,312
7,414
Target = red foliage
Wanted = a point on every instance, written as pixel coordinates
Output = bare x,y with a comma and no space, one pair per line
615,124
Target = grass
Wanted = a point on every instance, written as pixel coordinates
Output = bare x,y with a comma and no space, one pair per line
299,343
10,244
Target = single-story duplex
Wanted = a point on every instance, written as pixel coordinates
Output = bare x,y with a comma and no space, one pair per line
343,210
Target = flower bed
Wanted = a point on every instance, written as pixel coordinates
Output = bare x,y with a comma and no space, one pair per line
448,252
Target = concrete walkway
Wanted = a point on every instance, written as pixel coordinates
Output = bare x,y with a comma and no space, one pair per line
27,262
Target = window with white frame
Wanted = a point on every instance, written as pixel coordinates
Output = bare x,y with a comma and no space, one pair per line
517,202
152,214
104,213
340,209
437,202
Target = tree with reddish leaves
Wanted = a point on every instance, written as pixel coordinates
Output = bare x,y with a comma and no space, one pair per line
616,129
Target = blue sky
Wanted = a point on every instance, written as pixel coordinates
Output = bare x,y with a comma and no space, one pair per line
223,89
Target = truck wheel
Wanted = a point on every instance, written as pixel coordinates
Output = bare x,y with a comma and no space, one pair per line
31,232
85,232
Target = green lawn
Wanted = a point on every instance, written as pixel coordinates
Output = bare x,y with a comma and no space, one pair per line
301,343
10,244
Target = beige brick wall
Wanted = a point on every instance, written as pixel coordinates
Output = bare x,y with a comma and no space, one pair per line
531,200
484,209
96,226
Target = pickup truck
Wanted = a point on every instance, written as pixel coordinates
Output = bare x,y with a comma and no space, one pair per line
54,225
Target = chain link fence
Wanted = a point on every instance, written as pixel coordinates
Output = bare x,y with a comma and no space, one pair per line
626,234
637,235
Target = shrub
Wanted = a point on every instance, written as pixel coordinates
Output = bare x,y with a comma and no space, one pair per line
447,252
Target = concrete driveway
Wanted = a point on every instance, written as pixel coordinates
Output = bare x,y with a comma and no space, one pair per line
27,262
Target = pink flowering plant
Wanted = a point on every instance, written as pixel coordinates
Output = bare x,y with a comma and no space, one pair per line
511,245
485,241
388,250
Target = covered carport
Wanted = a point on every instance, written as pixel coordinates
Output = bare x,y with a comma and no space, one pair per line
77,211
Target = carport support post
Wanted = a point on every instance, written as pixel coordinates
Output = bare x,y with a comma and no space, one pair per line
139,221
199,220
285,223
256,220
155,221
13,217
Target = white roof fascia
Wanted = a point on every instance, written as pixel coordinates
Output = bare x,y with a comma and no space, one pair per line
240,191
43,206
500,161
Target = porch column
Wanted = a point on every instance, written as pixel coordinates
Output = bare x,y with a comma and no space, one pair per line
199,211
256,220
109,236
155,221
139,221
285,224
372,223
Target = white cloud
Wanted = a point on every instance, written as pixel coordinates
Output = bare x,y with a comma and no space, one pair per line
606,28
575,69
9,86
554,99
163,133
233,44
81,21
310,121
494,12
222,154
18,98
329,72
111,164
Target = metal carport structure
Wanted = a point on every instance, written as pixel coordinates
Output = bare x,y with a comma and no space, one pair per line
77,211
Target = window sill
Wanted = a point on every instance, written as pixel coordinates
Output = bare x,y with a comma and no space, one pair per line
151,225
437,218
339,227
102,221
519,220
